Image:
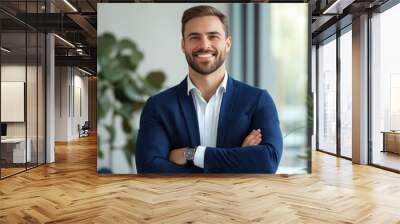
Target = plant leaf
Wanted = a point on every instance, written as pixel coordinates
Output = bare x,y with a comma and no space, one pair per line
105,45
155,79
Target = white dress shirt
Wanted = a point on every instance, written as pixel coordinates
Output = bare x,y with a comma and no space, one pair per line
207,117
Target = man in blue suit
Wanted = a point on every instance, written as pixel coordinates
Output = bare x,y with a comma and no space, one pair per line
209,123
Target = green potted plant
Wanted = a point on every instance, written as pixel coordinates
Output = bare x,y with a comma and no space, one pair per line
121,94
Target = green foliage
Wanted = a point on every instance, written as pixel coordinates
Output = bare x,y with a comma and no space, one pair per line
155,79
121,93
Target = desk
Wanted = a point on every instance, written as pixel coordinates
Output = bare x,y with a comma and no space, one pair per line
16,148
391,141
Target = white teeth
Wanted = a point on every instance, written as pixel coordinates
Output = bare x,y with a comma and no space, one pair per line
204,55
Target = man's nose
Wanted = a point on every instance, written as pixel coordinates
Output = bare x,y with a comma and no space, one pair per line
204,42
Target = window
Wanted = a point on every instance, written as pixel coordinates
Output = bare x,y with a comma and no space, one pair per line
385,88
327,96
346,93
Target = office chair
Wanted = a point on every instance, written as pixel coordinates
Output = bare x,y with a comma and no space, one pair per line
84,130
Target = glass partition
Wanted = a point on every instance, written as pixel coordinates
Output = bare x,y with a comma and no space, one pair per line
31,99
13,110
22,87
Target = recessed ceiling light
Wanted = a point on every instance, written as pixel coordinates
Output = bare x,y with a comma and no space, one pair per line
84,71
64,40
70,5
5,49
337,7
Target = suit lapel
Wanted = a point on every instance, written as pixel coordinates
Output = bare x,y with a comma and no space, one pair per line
189,113
225,111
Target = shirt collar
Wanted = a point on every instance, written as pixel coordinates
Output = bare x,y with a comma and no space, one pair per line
222,86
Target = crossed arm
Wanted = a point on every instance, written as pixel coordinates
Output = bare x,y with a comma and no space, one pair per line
252,157
263,157
177,156
260,151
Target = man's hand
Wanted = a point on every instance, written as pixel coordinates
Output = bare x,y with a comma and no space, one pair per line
176,156
254,138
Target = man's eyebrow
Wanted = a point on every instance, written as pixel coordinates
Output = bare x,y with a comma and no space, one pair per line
193,34
208,33
214,33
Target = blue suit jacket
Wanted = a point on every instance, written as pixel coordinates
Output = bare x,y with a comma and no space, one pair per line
169,121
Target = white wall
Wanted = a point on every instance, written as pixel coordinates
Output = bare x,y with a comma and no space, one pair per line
61,103
79,117
68,83
17,73
14,73
156,29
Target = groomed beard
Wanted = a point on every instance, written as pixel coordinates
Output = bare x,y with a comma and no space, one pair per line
210,67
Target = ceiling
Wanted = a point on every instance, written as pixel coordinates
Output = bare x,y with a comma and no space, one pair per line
76,22
328,16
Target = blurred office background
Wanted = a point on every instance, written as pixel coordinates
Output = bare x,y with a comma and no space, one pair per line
270,50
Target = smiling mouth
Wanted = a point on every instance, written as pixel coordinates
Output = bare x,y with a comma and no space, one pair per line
204,55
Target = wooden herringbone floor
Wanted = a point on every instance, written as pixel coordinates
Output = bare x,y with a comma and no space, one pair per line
70,191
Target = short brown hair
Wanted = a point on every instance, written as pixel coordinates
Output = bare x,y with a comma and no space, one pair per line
204,10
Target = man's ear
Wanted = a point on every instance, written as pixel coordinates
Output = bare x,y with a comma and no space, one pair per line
183,45
228,43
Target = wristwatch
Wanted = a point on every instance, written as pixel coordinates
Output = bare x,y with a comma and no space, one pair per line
189,154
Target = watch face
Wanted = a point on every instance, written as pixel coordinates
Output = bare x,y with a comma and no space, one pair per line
189,154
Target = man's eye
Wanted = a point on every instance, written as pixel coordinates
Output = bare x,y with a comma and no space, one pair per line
194,38
213,37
